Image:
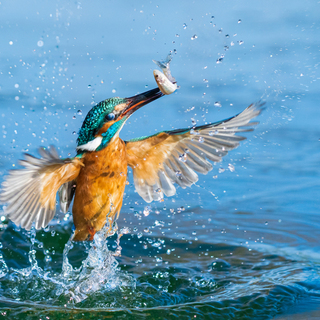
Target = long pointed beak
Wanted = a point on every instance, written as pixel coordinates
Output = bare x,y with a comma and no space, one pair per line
136,102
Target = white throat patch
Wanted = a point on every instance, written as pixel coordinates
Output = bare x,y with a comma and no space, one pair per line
91,145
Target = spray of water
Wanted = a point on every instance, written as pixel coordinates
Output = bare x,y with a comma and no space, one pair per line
99,272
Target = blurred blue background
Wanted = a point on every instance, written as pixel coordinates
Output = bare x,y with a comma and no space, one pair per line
59,58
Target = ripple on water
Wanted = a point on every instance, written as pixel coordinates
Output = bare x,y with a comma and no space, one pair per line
191,279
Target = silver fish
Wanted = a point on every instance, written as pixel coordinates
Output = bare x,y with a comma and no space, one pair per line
166,83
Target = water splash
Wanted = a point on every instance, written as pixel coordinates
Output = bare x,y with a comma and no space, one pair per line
99,272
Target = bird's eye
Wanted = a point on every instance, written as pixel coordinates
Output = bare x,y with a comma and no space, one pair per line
110,116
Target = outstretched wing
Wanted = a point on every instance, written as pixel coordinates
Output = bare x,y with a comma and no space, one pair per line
175,156
30,193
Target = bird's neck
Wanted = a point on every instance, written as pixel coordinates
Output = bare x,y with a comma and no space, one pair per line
111,133
103,138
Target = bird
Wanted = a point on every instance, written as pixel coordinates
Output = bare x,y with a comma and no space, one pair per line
95,178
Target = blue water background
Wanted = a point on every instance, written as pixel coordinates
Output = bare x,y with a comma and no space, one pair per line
59,58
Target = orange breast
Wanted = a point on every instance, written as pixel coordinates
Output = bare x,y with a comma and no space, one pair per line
100,188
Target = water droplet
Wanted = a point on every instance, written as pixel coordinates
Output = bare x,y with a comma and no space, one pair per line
146,211
184,26
227,36
239,21
125,230
89,86
266,223
221,170
217,104
194,37
177,35
201,139
231,167
79,112
205,80
114,90
16,98
16,85
193,121
74,132
241,42
219,60
183,157
74,117
178,173
215,177
159,223
40,43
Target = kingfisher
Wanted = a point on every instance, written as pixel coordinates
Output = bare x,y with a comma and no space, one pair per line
95,178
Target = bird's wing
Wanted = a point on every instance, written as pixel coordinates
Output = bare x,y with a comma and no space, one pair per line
66,193
170,157
30,193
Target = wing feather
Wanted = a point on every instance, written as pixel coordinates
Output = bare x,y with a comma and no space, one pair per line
166,185
175,156
30,192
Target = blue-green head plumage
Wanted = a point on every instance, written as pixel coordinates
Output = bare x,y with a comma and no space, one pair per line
114,112
96,118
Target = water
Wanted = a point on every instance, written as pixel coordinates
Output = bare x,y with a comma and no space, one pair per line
243,243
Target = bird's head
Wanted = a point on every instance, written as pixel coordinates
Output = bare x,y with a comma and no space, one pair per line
105,120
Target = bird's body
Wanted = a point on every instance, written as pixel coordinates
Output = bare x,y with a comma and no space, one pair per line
97,175
100,187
